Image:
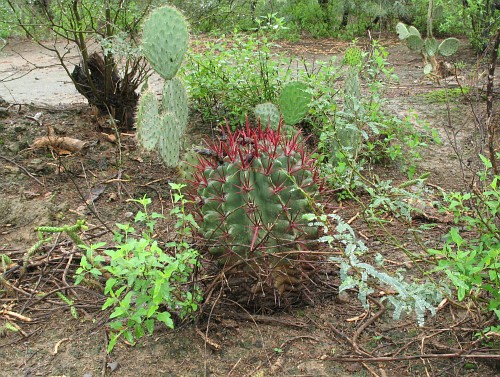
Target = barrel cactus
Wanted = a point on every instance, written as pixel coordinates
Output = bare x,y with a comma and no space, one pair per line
252,188
160,126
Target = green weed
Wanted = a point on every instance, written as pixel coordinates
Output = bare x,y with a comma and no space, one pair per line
472,262
148,284
446,95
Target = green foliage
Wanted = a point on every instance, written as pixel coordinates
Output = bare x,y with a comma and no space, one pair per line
470,256
7,21
147,284
165,40
359,132
310,17
478,19
415,297
228,80
446,95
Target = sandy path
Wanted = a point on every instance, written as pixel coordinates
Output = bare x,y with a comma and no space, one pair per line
40,80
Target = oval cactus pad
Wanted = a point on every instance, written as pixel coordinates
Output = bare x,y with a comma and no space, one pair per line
165,40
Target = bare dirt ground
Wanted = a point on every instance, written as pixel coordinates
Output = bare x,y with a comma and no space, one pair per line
37,189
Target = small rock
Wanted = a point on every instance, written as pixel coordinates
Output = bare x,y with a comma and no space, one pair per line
14,147
313,368
113,365
342,298
37,164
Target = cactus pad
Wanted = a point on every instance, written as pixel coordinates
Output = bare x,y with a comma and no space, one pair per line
402,31
449,46
294,102
415,42
148,127
175,101
168,141
165,40
352,89
431,46
268,114
414,31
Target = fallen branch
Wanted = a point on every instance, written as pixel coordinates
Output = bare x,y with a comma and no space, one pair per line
15,315
415,357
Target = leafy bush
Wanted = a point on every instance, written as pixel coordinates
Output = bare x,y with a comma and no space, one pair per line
310,17
470,256
358,131
146,283
228,79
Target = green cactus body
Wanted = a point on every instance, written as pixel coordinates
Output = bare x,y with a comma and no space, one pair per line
294,102
165,40
147,129
168,141
252,189
268,114
414,31
431,46
254,199
347,139
175,101
352,89
402,31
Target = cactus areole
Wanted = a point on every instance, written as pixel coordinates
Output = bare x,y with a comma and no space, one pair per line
253,188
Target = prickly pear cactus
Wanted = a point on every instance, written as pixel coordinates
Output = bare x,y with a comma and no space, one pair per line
429,47
165,40
268,114
449,46
415,42
147,129
161,126
253,188
294,102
